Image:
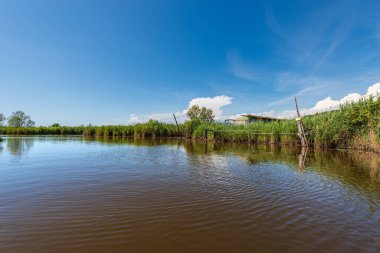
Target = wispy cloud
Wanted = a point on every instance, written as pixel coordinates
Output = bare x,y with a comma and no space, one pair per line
291,79
305,91
316,38
240,68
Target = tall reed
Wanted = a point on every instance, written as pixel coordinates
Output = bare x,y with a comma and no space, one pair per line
355,125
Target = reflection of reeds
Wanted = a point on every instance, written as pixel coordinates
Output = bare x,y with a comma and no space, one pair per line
115,140
368,161
352,167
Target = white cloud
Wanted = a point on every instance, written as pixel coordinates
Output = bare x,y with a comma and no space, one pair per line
218,102
327,104
133,118
373,90
215,103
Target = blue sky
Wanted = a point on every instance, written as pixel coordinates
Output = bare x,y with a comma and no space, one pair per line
118,62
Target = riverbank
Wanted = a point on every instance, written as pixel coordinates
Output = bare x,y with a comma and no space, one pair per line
353,126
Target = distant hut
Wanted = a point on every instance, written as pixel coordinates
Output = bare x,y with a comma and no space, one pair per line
246,119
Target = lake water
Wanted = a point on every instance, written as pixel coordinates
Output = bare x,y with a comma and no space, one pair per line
68,194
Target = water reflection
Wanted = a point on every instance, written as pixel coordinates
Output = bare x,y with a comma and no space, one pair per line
209,166
1,145
342,164
352,168
147,142
302,158
168,195
19,146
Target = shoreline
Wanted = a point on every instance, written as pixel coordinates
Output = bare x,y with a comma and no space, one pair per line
199,141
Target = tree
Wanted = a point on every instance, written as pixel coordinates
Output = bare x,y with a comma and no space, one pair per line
2,119
55,125
20,119
201,114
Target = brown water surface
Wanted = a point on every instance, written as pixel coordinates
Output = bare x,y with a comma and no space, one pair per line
120,195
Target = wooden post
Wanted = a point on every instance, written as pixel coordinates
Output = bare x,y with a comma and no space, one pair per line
205,134
177,125
302,158
301,131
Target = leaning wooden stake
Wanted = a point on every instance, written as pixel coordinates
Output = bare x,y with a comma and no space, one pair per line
301,131
205,134
302,158
177,125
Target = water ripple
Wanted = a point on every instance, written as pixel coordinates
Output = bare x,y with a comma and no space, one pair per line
75,196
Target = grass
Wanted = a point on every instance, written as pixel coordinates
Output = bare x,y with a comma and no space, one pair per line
355,126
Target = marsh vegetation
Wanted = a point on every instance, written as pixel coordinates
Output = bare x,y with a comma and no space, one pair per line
355,125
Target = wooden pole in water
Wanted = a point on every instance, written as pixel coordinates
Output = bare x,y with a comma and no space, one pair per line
301,131
177,125
205,134
302,158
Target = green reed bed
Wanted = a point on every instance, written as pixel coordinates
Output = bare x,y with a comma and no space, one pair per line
42,130
259,132
150,129
355,125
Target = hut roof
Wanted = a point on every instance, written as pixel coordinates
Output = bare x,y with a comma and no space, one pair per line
259,117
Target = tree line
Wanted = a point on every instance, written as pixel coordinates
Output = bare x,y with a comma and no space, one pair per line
17,119
21,119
